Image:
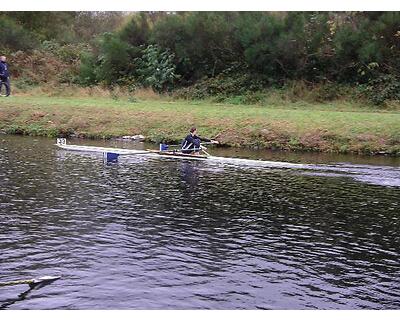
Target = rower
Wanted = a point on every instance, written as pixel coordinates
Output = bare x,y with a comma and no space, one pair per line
191,144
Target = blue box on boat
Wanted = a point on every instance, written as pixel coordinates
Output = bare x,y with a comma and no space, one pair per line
111,156
163,147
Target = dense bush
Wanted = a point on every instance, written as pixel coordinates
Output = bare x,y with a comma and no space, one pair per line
15,37
39,67
235,81
201,54
68,27
204,43
44,47
155,68
69,53
358,49
381,89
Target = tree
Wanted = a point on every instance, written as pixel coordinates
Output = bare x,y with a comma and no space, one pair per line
14,36
155,68
114,61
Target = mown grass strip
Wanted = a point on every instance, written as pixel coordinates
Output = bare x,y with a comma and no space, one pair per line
317,129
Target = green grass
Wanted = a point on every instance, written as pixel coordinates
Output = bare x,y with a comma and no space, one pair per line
334,127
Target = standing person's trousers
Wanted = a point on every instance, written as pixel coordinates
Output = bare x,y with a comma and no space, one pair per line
6,83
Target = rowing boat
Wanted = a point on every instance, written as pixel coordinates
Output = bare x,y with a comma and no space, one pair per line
112,153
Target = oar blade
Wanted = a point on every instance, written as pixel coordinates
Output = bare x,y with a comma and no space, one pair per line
42,281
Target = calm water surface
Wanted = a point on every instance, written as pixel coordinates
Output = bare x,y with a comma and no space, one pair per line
321,232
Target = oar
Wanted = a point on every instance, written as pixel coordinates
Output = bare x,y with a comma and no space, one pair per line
207,154
178,145
181,150
31,282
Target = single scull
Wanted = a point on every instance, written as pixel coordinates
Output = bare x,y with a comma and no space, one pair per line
113,153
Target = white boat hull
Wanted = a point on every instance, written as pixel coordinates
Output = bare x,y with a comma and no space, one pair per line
127,152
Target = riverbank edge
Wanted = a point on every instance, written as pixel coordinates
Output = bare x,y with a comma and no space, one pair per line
51,133
53,121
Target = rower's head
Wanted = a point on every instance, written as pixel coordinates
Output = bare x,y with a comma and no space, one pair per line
3,58
193,130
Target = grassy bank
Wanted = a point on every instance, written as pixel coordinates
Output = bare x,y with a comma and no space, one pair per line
335,127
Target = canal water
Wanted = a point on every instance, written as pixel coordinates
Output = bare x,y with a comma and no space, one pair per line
275,231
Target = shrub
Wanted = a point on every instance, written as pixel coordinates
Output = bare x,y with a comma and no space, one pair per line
381,89
14,129
230,83
69,53
15,37
329,92
25,83
155,68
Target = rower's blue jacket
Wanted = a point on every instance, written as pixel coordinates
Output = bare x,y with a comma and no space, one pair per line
4,74
192,143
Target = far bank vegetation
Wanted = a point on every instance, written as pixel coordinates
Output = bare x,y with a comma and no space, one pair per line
230,57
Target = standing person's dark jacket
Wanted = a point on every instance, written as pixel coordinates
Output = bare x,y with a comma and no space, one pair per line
4,73
192,143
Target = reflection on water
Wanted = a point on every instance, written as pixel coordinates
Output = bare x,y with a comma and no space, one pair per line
149,233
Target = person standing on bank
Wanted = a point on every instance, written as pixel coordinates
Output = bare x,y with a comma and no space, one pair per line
191,144
4,75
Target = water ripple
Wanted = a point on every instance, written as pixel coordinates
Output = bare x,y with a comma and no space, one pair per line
160,234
